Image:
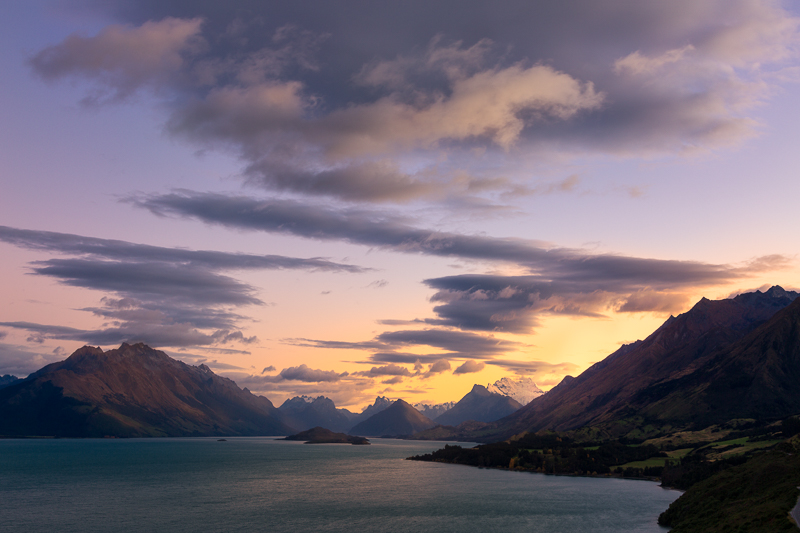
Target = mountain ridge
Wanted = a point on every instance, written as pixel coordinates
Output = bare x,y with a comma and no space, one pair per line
479,405
605,393
306,413
399,419
133,391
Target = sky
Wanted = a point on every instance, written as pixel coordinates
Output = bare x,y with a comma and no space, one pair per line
351,198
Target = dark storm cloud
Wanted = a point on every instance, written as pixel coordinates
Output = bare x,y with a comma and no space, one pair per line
328,98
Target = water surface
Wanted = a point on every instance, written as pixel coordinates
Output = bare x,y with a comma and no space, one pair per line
263,484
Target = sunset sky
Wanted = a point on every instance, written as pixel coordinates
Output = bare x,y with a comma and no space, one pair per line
400,198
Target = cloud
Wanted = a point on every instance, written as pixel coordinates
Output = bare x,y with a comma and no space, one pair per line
347,391
348,153
464,344
306,374
395,102
149,281
456,342
115,250
152,333
21,361
387,370
490,103
162,296
392,232
653,301
436,367
516,303
403,357
439,366
470,367
38,338
638,64
393,381
562,280
270,368
123,58
532,367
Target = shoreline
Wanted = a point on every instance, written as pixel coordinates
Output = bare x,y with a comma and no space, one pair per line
567,474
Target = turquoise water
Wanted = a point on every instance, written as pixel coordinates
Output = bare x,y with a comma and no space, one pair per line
263,484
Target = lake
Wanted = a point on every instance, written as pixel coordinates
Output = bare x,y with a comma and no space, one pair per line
264,484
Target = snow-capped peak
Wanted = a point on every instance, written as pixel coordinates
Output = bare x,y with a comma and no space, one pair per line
523,390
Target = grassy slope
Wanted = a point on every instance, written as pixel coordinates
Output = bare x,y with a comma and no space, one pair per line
754,497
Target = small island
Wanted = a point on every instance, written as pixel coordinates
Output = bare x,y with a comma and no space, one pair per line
320,435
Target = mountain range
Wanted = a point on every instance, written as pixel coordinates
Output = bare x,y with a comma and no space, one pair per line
433,410
399,419
132,391
305,413
723,359
522,390
7,380
481,405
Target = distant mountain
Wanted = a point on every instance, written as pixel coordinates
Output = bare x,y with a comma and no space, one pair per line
381,403
133,391
433,410
480,405
7,380
724,359
523,390
399,419
305,413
